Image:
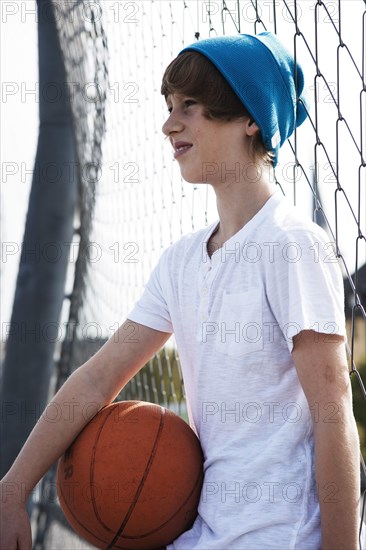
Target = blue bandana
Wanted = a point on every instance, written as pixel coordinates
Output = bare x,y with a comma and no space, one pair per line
263,74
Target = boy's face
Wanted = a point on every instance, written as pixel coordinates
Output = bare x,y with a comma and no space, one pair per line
208,151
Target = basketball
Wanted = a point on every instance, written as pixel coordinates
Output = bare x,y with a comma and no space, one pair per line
132,478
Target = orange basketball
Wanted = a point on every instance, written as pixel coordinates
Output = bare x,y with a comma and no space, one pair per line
132,478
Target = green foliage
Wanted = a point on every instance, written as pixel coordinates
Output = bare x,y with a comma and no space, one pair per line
359,405
159,381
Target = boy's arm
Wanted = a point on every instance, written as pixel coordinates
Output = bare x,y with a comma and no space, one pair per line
321,364
87,390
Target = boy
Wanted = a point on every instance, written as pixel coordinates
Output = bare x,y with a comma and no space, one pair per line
258,318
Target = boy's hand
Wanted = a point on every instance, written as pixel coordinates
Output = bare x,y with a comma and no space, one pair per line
15,529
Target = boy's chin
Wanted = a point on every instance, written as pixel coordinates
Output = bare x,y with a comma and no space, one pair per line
194,179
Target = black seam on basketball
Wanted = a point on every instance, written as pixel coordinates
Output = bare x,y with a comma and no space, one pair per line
75,517
140,536
92,462
142,482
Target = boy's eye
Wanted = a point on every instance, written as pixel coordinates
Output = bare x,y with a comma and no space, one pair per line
189,102
185,103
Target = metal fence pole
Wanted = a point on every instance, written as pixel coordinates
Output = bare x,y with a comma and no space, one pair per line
39,294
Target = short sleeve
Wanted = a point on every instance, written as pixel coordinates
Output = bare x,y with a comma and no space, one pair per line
305,285
152,309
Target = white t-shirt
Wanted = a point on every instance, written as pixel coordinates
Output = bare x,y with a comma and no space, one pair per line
233,316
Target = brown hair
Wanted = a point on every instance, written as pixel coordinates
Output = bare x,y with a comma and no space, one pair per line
192,74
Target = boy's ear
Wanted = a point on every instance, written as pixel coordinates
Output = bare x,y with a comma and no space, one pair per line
251,127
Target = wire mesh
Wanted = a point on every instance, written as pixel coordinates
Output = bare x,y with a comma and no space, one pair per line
133,203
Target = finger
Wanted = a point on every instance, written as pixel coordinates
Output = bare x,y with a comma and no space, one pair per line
25,539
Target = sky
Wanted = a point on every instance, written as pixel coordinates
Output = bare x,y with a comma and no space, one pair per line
19,107
19,132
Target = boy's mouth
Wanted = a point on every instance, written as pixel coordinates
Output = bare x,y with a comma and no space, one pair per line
181,147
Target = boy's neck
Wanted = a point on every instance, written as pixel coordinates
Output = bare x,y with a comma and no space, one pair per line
238,203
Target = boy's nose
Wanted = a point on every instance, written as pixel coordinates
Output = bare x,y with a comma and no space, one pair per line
172,124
